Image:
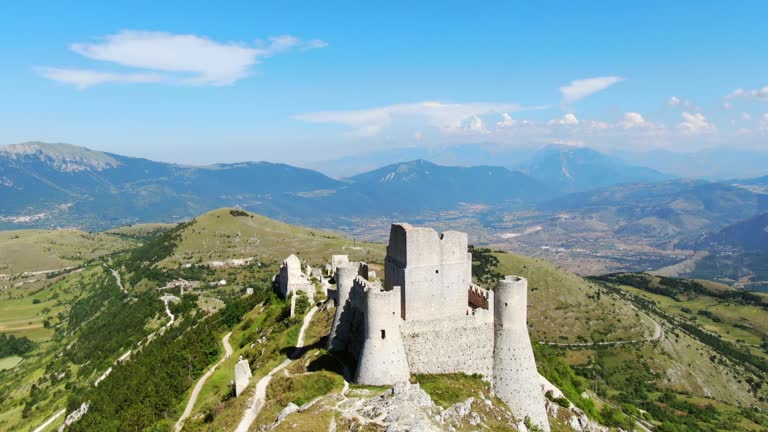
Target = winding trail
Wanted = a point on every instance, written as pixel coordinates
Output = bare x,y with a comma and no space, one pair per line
49,421
117,277
256,403
201,382
166,299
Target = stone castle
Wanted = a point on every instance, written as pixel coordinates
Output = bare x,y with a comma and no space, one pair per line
427,317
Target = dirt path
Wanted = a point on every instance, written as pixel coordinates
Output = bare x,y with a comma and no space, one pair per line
117,277
256,403
49,421
199,386
168,311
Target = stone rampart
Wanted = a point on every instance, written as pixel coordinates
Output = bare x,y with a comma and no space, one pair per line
515,379
382,360
450,345
346,308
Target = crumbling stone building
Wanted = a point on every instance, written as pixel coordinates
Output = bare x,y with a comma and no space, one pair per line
429,318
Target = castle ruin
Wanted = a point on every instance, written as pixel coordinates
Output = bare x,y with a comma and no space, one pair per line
291,281
429,318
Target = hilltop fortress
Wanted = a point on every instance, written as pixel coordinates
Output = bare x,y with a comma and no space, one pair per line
427,317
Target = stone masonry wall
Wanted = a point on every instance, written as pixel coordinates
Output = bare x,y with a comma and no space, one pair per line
450,345
433,271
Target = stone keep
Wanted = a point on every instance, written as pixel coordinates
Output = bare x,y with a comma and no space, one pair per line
242,375
515,379
429,318
433,271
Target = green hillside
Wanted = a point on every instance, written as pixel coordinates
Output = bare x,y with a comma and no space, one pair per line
596,339
564,307
39,250
230,233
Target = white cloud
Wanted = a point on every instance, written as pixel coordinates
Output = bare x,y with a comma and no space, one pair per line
579,89
83,78
568,142
177,58
727,105
568,119
674,101
447,117
694,123
633,119
764,123
506,121
746,116
474,124
757,94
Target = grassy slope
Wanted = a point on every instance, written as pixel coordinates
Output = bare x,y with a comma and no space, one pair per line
36,250
220,235
565,308
140,231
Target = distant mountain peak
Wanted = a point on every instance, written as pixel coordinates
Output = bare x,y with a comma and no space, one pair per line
60,156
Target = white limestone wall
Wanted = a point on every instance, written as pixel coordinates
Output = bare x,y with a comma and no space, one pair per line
515,379
347,305
382,359
291,279
242,375
338,260
450,345
433,271
345,277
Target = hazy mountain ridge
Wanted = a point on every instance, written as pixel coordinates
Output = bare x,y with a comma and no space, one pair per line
422,185
131,190
574,169
688,205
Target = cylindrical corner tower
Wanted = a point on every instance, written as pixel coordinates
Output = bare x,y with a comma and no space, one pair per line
342,322
382,359
515,379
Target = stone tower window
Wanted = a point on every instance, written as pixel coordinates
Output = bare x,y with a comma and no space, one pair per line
383,334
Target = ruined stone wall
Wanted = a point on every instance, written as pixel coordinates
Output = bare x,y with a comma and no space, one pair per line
515,379
291,280
450,345
433,271
382,359
347,311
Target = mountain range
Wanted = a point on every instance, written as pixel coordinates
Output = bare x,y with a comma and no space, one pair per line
47,185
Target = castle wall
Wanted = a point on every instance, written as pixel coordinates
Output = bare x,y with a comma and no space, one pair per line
515,379
382,360
450,345
433,271
347,311
291,279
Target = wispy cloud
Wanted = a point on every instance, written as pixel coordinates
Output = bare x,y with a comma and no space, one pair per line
695,123
757,94
579,89
83,78
175,58
447,117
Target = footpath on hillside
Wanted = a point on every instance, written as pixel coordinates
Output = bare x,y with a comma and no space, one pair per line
256,403
201,382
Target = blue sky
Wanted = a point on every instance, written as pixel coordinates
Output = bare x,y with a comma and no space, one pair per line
202,82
